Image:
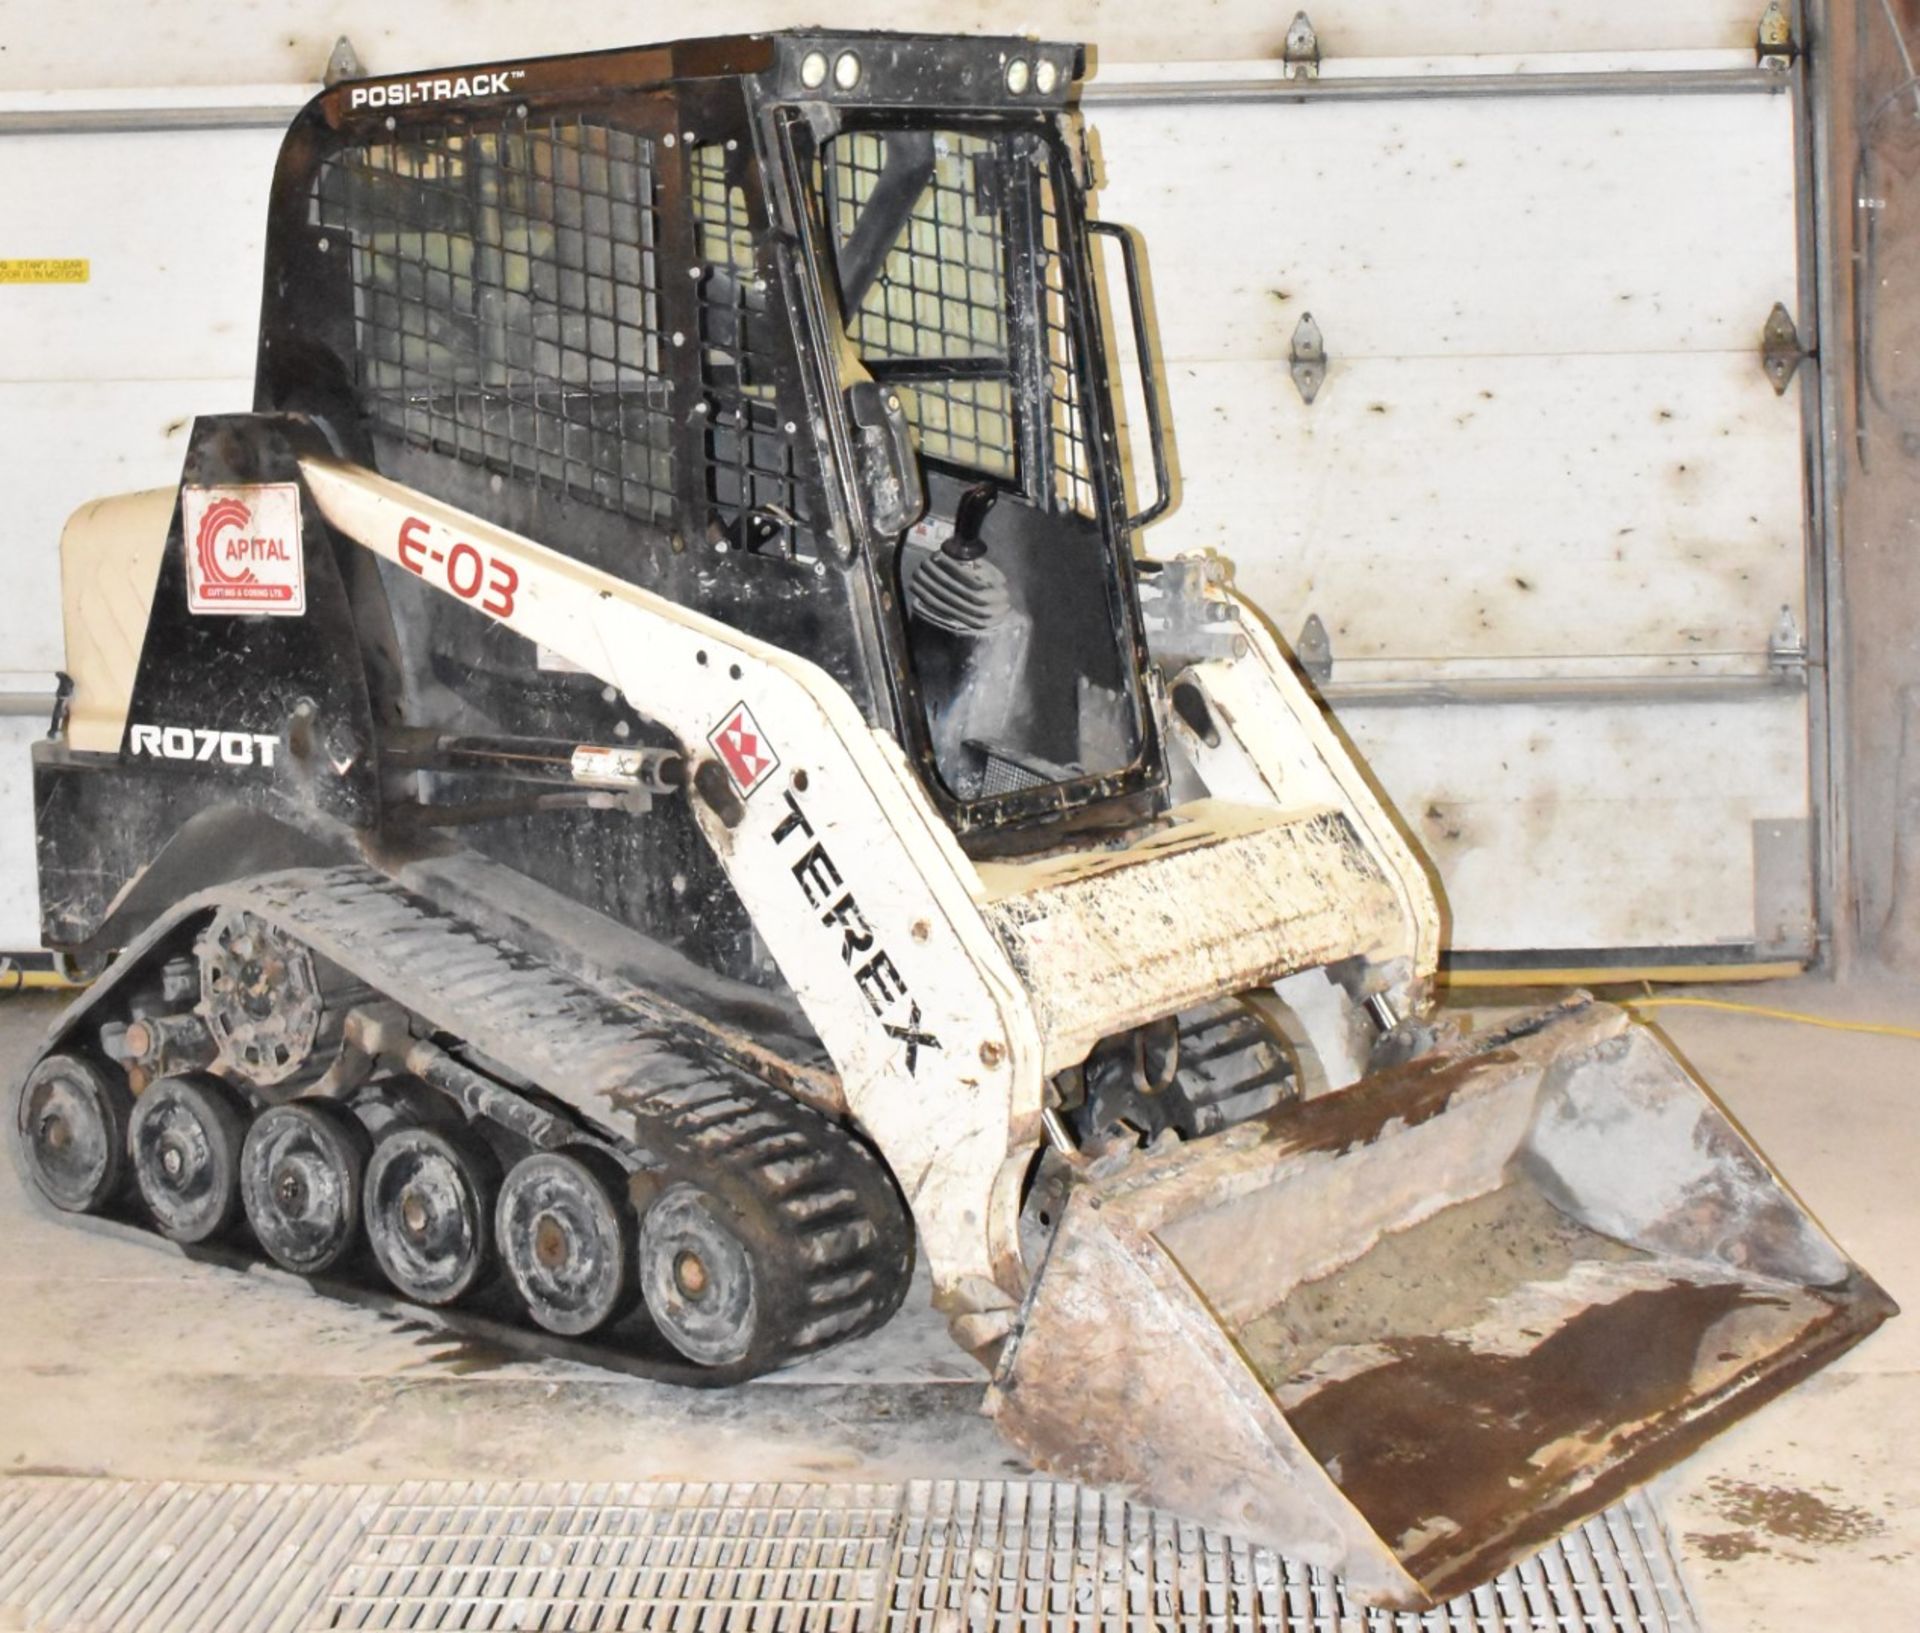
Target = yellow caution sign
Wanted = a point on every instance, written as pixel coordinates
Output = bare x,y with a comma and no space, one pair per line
46,271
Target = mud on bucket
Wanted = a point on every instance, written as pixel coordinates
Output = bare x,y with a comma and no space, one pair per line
1414,1331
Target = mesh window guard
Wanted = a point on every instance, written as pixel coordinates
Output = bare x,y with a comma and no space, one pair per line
1066,425
940,294
506,301
754,482
941,298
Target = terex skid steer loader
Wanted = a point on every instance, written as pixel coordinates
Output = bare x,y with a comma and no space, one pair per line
645,780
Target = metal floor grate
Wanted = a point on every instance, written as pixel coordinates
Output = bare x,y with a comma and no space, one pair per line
928,1557
116,1556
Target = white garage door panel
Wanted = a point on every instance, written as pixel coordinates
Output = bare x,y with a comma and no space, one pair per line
1545,456
1501,516
173,223
19,894
80,441
1459,226
228,41
1592,826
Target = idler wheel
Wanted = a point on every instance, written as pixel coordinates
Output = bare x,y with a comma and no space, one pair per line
301,1172
428,1204
70,1125
568,1238
186,1137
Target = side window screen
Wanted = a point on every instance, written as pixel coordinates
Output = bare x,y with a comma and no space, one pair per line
1066,425
757,492
506,301
954,291
939,295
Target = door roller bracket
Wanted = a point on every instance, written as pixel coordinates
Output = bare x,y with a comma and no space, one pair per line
1308,358
1774,46
1300,52
1313,650
1780,348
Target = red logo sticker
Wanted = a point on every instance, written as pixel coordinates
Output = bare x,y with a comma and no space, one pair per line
744,750
243,550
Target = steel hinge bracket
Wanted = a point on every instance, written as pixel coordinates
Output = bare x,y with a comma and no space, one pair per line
1307,360
1780,349
1300,53
1773,43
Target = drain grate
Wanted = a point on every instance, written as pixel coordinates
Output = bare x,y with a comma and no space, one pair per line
609,1558
118,1556
928,1557
1031,1556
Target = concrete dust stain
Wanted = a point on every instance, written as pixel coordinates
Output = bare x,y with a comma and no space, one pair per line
1792,1514
1725,1546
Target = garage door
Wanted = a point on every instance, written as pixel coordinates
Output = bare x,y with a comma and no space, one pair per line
1542,530
1544,521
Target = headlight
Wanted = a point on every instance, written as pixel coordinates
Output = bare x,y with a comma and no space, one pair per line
846,72
1045,77
1017,72
813,70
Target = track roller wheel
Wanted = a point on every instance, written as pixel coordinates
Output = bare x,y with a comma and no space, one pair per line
428,1202
71,1124
186,1138
697,1277
300,1179
567,1236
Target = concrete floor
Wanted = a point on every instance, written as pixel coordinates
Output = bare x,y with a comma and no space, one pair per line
120,1360
1808,1515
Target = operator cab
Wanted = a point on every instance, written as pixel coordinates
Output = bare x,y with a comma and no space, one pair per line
797,331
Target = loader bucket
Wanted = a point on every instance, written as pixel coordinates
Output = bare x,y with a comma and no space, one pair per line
1413,1331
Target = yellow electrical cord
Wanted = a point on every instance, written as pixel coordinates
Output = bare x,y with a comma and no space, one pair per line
1878,1028
14,979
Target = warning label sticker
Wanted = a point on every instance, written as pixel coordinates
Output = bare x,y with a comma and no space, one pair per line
243,550
46,271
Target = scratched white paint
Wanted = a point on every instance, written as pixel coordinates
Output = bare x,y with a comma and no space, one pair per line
1275,747
1227,898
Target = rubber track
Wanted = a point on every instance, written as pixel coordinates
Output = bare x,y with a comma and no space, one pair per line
676,1112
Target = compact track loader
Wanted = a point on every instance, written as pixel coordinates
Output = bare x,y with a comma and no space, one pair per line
644,784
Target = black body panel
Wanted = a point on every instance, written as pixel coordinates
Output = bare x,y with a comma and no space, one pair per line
298,690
